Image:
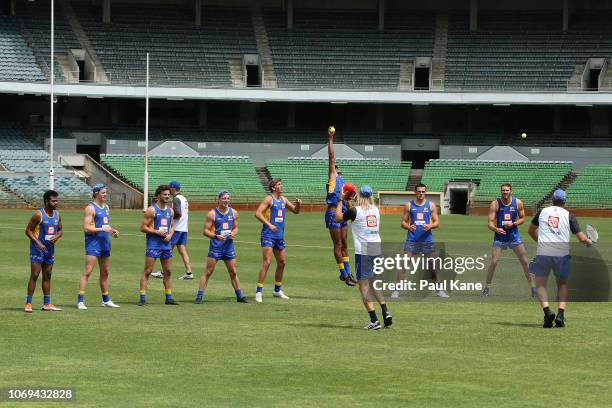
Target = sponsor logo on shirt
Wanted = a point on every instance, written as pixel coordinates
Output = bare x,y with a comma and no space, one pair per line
371,221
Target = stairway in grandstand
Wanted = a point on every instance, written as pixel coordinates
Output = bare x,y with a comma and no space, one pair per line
264,176
438,63
564,185
263,46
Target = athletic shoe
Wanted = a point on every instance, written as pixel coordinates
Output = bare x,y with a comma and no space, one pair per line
441,294
280,294
548,320
199,301
140,303
560,321
534,293
110,303
348,279
485,292
388,319
187,276
373,326
50,308
81,306
395,294
28,308
171,302
244,300
258,297
158,274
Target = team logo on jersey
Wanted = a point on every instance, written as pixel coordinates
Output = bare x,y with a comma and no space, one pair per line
425,209
507,217
511,208
371,221
225,225
229,217
164,221
553,222
105,220
420,216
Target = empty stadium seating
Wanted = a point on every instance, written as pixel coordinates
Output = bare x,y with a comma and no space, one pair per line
26,165
531,181
17,62
201,177
522,50
72,191
344,49
37,29
180,52
306,177
591,189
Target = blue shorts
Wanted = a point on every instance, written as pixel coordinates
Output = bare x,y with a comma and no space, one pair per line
42,258
98,253
364,266
507,244
225,252
275,243
542,264
159,253
179,238
419,247
330,221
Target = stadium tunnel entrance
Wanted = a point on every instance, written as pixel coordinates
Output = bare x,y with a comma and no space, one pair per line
457,197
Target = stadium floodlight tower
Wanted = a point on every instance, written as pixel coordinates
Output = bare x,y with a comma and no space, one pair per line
146,155
52,96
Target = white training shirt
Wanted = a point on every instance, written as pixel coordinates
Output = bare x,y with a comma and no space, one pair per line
555,227
181,224
365,228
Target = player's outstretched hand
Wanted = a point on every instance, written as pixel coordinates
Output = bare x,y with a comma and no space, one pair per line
114,232
426,227
168,237
500,231
412,228
273,228
41,247
220,237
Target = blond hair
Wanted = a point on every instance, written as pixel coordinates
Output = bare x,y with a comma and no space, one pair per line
365,202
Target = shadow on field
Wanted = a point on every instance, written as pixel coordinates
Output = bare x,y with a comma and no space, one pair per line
326,325
531,325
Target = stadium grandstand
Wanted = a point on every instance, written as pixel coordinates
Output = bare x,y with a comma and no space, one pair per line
459,95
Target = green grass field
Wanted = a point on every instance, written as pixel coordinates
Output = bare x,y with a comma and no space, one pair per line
309,351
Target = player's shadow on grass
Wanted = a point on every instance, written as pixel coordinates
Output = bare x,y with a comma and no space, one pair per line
327,325
510,324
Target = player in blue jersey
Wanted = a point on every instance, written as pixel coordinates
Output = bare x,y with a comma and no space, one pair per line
158,224
43,230
506,213
337,230
98,231
420,217
271,213
221,227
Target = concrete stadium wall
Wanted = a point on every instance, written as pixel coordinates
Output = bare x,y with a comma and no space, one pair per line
258,152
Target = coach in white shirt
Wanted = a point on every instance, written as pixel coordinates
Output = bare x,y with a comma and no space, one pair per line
551,228
365,219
